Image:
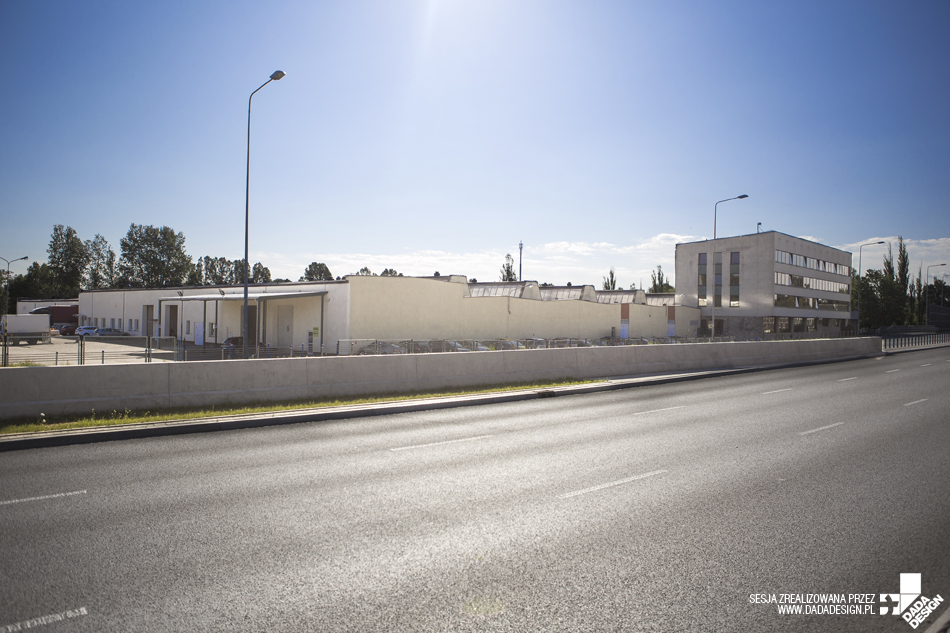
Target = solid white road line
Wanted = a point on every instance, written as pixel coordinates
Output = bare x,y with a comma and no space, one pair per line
658,410
847,379
776,391
916,402
56,496
568,495
43,620
891,371
926,364
464,439
822,428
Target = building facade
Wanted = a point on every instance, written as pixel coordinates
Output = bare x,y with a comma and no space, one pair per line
315,316
766,285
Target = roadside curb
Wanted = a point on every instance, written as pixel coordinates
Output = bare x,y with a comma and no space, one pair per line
226,423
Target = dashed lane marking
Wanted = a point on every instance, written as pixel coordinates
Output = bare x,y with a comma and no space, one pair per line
916,402
464,439
847,379
776,391
611,484
56,496
891,371
822,428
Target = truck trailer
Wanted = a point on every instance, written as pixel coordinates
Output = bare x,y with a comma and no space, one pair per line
31,328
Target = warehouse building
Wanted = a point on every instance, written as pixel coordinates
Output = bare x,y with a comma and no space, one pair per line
315,316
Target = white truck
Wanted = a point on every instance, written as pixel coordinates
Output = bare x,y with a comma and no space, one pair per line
31,328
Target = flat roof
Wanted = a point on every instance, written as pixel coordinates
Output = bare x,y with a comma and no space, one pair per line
250,295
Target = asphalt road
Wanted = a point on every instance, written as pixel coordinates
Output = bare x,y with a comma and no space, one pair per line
658,508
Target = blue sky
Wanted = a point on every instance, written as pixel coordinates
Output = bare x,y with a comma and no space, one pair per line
434,135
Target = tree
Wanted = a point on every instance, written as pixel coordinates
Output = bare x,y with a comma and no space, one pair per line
508,269
37,283
366,272
102,271
317,271
610,281
260,274
390,272
154,257
67,261
659,281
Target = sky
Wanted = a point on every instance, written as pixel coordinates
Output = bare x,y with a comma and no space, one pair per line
435,135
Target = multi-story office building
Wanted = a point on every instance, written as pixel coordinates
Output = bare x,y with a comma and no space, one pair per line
766,284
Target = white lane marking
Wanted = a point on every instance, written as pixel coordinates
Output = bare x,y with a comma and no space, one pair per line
610,484
43,620
464,439
776,391
926,364
891,371
915,402
658,410
943,620
822,428
56,496
847,379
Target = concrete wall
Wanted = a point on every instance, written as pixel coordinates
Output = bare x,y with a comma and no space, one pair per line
398,308
28,391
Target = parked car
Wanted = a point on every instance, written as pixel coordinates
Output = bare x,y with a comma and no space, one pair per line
233,341
109,331
84,330
67,329
381,347
416,347
448,346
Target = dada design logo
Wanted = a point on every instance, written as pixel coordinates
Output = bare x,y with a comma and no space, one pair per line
909,603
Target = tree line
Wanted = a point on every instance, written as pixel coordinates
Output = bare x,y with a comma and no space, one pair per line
891,295
149,257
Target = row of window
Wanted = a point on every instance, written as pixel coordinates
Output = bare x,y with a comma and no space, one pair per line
134,325
772,325
798,281
783,257
717,280
811,303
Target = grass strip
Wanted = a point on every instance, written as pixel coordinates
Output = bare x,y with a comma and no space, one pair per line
127,416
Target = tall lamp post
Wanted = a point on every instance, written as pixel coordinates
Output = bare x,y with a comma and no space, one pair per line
6,308
277,76
712,318
927,309
857,330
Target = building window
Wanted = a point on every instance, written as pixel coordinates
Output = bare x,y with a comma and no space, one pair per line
702,280
96,321
130,325
187,327
733,280
717,274
136,325
768,325
210,329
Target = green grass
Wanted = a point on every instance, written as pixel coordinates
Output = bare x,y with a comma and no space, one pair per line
115,417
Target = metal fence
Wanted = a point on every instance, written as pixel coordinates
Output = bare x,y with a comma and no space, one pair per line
103,350
915,340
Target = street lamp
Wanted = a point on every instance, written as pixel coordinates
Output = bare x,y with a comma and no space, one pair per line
927,309
858,328
6,308
712,319
277,76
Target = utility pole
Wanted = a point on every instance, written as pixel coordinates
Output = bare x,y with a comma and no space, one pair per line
520,248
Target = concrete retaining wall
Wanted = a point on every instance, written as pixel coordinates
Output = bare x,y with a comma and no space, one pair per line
28,391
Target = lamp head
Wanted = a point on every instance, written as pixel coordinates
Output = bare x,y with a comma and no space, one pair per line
741,197
278,75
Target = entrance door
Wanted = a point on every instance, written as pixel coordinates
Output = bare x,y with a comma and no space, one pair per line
285,326
171,321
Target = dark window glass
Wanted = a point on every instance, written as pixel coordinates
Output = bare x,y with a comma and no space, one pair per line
702,259
734,258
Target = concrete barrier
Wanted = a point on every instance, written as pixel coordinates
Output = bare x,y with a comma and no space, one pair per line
25,392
